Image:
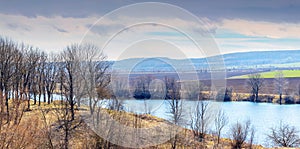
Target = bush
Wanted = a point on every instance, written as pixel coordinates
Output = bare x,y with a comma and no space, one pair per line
289,100
284,136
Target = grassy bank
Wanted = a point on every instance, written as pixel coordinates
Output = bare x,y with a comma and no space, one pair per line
272,74
43,127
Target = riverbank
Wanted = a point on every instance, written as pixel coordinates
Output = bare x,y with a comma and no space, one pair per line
262,98
45,121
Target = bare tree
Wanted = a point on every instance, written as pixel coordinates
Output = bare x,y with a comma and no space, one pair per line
40,77
47,130
116,104
70,71
252,136
240,133
255,82
201,120
142,87
85,74
175,105
94,75
148,109
120,88
284,136
221,120
225,94
50,74
299,91
191,90
66,123
17,83
280,84
17,132
8,49
31,58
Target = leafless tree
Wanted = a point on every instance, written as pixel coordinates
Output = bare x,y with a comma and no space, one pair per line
240,133
36,78
85,69
119,86
116,104
31,58
299,91
40,77
94,74
225,94
255,82
148,109
17,83
280,84
47,128
252,135
221,120
16,132
201,119
70,70
284,136
175,106
50,75
8,49
141,85
190,90
157,89
65,122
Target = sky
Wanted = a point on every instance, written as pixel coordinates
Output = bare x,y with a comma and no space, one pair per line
167,28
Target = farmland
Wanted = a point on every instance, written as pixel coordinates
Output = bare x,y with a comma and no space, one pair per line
272,74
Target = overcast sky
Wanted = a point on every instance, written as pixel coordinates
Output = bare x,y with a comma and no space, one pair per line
235,25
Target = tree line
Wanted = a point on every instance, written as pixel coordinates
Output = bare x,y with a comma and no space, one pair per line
80,75
29,73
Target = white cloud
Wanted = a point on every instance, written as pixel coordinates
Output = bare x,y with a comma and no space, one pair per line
47,33
262,29
55,33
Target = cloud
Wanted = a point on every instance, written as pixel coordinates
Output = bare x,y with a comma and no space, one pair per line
48,33
60,29
261,28
232,35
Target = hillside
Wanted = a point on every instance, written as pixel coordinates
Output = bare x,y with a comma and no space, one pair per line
243,60
48,126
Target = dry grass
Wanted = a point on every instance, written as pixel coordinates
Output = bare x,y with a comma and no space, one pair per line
39,129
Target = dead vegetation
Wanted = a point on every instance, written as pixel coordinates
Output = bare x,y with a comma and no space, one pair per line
46,127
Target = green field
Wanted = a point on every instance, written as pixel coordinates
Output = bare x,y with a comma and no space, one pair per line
271,74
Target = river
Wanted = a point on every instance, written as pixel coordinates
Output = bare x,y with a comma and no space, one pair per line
263,116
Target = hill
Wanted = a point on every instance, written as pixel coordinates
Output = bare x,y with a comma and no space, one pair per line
243,60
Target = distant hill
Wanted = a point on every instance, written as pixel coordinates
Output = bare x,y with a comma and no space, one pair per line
243,60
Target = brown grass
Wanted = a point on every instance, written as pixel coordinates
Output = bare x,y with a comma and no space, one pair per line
39,128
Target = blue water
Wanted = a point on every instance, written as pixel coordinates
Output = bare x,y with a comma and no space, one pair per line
263,116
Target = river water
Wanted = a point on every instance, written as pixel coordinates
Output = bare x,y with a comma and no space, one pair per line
263,116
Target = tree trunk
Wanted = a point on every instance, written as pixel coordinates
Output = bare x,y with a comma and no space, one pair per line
49,98
71,96
219,135
44,94
6,104
280,98
72,111
66,143
34,98
256,97
40,99
28,104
